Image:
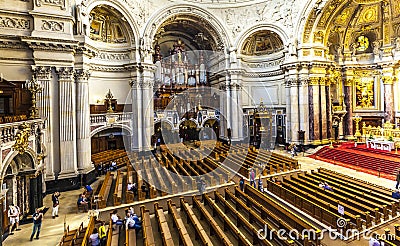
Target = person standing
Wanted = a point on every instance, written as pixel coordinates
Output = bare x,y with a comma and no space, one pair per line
56,204
398,180
260,184
12,214
37,223
18,213
252,178
102,234
241,184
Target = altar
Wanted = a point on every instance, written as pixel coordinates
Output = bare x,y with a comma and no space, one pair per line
381,144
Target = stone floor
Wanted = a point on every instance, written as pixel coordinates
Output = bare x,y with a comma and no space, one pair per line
52,229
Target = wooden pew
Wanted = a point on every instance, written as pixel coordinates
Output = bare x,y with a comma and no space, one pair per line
191,218
117,196
214,227
163,225
184,237
89,231
148,237
130,237
105,189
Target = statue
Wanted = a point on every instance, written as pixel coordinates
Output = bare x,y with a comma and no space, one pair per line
397,45
82,20
376,44
353,49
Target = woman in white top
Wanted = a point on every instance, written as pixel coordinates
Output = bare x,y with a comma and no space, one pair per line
94,239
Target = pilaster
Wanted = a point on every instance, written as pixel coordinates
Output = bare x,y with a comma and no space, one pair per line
83,143
388,81
67,118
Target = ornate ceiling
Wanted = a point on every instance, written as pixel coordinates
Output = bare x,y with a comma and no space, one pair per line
362,26
195,33
262,43
108,25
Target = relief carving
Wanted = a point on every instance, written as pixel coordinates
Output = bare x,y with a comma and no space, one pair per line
59,3
52,26
112,56
15,23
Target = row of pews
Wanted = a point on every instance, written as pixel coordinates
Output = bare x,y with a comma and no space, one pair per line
79,236
365,204
232,218
105,158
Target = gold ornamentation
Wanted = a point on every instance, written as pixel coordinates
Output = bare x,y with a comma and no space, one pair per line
314,80
387,80
22,138
348,82
364,92
362,43
367,1
369,15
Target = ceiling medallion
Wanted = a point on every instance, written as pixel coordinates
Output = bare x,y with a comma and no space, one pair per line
367,1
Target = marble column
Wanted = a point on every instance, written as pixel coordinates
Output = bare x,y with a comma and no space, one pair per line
323,111
46,104
294,116
147,85
83,144
348,118
288,110
223,110
388,98
136,95
67,105
329,129
235,106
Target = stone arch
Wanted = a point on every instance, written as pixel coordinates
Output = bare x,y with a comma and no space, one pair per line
261,27
164,121
119,6
303,19
102,128
209,118
193,120
216,28
8,161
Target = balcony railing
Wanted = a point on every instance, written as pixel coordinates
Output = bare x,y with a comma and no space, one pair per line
110,118
9,130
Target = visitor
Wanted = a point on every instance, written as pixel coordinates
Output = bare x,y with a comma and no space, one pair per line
138,223
252,178
374,240
115,220
113,166
396,194
327,187
241,184
18,213
145,190
129,221
260,184
129,186
37,223
94,238
102,234
56,204
398,180
321,184
12,214
83,202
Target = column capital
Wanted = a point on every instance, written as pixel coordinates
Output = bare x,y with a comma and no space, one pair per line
66,74
42,72
388,80
348,81
82,75
314,81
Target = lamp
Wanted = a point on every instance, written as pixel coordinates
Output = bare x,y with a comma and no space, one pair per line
357,120
109,97
33,87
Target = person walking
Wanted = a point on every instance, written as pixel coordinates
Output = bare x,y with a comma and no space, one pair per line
37,223
18,213
252,178
241,184
56,204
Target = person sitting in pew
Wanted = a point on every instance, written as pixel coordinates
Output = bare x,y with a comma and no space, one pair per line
115,220
102,234
83,202
327,187
396,194
138,223
129,221
145,190
321,184
275,180
94,238
89,190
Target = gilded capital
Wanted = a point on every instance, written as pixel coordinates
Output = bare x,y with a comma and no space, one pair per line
314,80
348,82
387,80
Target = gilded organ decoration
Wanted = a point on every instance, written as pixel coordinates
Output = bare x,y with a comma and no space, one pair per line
364,86
106,26
22,138
362,43
368,15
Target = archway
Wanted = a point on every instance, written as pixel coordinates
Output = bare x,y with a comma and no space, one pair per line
164,133
109,139
20,184
210,129
188,131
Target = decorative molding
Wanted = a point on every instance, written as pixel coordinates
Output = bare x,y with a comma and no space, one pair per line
112,56
314,81
108,68
57,3
14,23
348,82
52,26
268,64
65,74
82,75
387,80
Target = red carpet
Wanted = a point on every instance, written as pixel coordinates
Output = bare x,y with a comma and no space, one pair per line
376,162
